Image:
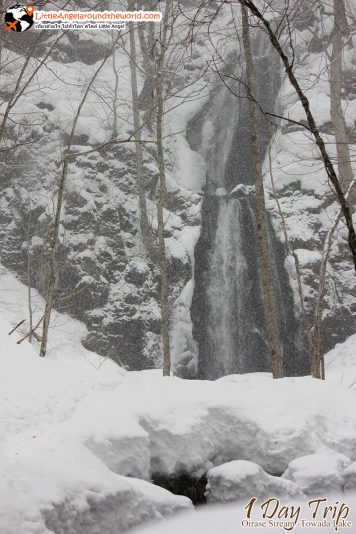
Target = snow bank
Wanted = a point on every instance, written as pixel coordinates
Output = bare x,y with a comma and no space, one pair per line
61,459
49,478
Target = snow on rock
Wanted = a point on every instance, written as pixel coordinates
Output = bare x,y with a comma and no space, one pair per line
349,478
343,355
184,347
300,181
114,284
317,474
207,520
239,480
68,490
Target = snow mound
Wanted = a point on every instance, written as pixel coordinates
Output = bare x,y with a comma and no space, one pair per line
52,485
131,504
239,480
317,474
340,363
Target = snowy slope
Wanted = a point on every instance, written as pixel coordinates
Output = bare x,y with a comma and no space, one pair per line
52,475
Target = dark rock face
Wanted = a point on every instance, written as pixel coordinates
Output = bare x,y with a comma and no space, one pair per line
184,484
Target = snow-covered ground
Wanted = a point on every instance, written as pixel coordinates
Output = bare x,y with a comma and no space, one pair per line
74,426
231,519
51,480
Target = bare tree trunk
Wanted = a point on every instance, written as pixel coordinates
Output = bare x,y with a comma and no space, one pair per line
337,115
116,89
262,221
17,92
31,332
306,323
147,100
317,337
344,167
346,210
52,264
29,271
145,227
162,197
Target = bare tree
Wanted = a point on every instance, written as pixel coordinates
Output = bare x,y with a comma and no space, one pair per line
23,82
52,264
271,313
306,322
29,272
340,31
329,167
319,308
145,227
147,41
165,57
115,96
162,192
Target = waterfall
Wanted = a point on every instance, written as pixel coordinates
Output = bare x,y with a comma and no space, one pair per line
231,327
227,310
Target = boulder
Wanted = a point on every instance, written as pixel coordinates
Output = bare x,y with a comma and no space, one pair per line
241,480
318,474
